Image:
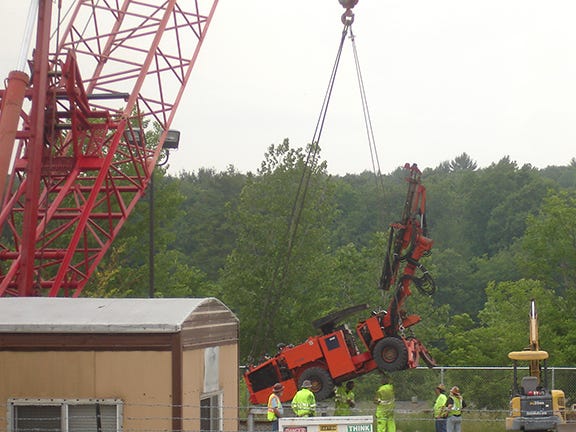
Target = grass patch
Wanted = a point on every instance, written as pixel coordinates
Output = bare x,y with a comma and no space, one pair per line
472,421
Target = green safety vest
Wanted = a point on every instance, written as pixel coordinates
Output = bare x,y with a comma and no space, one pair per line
385,401
341,401
456,406
439,405
304,403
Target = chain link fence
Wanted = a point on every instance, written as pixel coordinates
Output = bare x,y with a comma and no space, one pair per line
486,390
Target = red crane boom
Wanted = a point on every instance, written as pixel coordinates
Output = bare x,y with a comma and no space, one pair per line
82,161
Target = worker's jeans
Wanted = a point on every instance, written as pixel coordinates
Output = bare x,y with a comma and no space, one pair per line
440,424
454,424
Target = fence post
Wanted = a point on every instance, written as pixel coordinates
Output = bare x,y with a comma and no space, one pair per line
252,412
250,421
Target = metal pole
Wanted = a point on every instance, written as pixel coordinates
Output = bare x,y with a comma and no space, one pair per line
151,238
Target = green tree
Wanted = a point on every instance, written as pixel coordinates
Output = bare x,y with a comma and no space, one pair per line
204,233
493,198
276,279
549,245
564,176
125,271
463,163
447,202
452,272
507,221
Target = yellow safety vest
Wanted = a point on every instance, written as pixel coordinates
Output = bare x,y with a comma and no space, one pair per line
304,403
456,406
271,414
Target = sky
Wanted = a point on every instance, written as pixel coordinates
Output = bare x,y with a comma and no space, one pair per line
490,78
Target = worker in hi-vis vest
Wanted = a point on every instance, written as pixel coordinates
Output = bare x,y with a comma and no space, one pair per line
454,406
439,409
344,399
275,408
385,406
304,402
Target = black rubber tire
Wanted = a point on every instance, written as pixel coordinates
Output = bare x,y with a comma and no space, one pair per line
390,354
322,383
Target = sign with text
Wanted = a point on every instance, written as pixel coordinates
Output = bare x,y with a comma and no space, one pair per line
327,424
295,428
359,428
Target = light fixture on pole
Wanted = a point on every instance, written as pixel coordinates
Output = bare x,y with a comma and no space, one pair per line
171,142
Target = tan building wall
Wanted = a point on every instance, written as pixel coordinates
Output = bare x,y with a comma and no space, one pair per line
159,357
143,381
95,375
229,381
119,375
193,384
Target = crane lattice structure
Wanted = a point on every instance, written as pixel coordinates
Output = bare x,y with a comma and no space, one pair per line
81,160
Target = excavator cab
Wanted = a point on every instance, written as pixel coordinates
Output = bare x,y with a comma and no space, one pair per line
530,386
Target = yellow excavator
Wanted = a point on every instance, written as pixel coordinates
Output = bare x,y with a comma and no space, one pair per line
534,407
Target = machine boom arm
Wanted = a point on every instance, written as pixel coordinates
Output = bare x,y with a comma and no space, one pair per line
407,244
534,344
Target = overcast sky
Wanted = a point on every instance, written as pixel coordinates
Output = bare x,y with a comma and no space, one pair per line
491,78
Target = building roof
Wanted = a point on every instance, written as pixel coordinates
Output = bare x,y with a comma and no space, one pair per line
102,315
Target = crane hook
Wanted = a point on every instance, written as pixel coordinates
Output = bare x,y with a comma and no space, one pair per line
348,16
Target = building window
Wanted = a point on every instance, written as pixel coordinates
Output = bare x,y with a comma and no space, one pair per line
211,369
64,415
211,413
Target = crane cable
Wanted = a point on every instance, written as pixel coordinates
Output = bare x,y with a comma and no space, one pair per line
367,120
314,149
281,272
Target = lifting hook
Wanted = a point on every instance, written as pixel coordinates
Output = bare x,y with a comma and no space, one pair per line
348,16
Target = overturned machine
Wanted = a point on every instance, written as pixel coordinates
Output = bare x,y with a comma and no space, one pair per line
385,342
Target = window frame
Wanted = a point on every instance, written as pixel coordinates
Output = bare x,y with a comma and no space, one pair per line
213,407
64,405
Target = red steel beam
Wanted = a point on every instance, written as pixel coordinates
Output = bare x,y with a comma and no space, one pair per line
78,170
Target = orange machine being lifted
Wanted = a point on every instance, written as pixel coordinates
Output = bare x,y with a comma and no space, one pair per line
335,356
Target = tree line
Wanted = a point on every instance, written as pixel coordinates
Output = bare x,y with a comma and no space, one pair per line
502,235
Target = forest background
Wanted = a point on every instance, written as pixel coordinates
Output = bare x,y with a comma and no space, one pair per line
503,235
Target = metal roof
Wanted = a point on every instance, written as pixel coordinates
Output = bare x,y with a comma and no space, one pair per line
97,315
